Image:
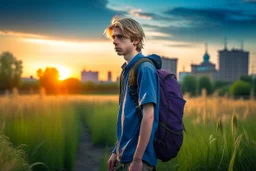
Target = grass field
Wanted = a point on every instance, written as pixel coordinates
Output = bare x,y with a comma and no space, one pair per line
42,132
48,127
220,134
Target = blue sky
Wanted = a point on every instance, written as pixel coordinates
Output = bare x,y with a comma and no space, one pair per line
187,20
178,24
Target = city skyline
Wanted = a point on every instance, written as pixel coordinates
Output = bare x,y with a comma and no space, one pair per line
69,36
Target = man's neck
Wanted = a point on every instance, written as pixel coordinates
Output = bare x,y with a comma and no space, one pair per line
131,55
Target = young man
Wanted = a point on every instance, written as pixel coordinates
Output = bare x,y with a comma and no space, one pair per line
134,149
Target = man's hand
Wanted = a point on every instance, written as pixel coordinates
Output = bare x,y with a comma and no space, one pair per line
112,162
136,165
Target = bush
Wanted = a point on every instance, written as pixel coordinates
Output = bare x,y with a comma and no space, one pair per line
189,85
205,83
219,84
223,90
240,88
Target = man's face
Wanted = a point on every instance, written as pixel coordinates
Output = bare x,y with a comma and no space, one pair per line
123,45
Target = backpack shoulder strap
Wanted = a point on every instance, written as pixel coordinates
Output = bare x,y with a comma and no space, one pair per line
132,80
132,83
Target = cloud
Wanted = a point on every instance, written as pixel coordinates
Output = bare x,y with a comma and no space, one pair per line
76,19
246,5
156,34
129,10
249,2
22,35
71,46
137,13
209,14
253,1
197,25
152,32
118,7
87,20
152,26
147,15
181,45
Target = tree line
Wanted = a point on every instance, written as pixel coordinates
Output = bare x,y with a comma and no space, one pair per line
244,87
11,70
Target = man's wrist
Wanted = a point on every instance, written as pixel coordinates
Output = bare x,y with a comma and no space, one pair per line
137,159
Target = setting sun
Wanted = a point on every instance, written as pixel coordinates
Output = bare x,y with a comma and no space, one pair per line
64,72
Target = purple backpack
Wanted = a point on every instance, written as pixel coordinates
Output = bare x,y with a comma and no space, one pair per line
169,135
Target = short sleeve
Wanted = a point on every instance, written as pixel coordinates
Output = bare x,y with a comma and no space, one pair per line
147,84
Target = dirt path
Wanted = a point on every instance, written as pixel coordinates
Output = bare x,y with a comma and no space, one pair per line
88,157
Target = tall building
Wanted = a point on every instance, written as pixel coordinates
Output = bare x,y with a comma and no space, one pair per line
109,76
170,64
90,76
206,68
233,64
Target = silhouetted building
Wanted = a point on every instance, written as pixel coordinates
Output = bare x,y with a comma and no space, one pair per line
206,68
30,79
233,64
118,79
89,76
109,76
170,64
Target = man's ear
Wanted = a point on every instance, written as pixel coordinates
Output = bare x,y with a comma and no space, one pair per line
135,42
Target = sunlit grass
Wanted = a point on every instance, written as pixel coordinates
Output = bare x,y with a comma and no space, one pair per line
207,146
100,119
48,126
11,158
220,132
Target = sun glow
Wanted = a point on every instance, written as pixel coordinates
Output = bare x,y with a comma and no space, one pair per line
64,72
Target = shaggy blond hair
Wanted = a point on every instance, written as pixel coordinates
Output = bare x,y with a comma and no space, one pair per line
129,27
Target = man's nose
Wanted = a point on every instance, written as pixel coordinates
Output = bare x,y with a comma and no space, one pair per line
115,41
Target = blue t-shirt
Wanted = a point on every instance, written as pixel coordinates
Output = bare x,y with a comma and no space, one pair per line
128,124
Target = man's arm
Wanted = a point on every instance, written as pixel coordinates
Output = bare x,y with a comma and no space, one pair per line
145,130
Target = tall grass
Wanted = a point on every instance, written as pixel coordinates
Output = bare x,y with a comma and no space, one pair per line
221,132
11,158
48,126
100,119
227,142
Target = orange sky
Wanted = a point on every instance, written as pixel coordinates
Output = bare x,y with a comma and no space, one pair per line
70,57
